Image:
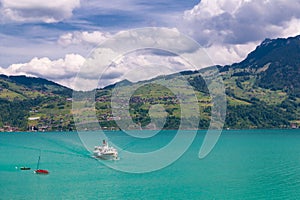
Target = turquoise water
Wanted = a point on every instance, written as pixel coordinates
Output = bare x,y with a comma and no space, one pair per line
245,164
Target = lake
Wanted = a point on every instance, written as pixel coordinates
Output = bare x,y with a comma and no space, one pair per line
244,164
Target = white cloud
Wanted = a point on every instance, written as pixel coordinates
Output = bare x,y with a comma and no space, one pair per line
84,37
109,64
240,21
228,54
138,55
14,49
227,29
143,65
60,70
38,11
290,28
135,66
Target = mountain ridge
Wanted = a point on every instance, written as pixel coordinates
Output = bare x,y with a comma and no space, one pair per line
263,91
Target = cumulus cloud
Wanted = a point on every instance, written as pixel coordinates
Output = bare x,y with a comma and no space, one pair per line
38,11
135,66
84,37
141,54
227,29
169,38
291,28
228,54
239,21
143,65
61,70
115,59
100,70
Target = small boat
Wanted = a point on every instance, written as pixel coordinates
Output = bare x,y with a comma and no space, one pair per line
25,168
105,152
40,171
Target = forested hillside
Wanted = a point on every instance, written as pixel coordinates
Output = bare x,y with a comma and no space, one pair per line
263,91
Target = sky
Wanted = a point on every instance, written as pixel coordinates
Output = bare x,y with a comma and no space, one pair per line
53,39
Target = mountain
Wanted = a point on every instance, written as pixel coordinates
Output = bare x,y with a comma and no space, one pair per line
28,102
263,91
18,83
277,62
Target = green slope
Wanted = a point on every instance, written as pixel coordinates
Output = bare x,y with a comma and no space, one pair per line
25,98
263,91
